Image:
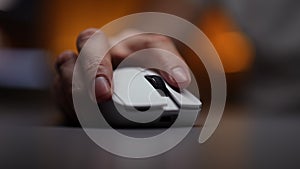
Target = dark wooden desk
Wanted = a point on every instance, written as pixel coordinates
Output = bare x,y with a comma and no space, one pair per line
241,141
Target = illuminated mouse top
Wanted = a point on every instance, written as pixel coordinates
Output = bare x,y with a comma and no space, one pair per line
138,87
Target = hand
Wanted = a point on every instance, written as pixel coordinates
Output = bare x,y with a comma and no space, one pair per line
103,83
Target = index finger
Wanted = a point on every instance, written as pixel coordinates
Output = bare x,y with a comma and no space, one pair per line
178,75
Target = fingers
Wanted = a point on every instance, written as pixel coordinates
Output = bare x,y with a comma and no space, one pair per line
64,66
63,85
84,36
178,72
103,81
95,59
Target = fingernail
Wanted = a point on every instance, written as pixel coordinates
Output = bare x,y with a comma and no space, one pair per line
102,88
180,75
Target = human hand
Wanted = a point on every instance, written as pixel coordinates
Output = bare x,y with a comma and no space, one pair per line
65,62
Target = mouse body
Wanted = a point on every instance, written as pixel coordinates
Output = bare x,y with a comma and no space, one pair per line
141,98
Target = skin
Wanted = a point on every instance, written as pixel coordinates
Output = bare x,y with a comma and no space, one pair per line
103,83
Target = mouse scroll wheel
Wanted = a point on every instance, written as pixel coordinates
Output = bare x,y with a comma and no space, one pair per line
158,83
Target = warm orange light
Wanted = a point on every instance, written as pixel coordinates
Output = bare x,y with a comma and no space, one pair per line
235,51
66,19
234,48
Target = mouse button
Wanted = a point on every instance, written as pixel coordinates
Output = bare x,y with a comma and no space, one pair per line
171,106
185,99
141,93
133,90
117,100
121,80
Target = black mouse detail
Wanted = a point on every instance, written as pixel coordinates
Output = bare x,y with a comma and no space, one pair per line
158,83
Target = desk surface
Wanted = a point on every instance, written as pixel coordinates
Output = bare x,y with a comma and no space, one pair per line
239,142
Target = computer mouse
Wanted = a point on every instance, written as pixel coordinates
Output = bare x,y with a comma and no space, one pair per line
141,98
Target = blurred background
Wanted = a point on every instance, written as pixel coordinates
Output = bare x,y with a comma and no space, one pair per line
258,44
257,41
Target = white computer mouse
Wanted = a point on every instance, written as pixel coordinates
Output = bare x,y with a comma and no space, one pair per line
141,98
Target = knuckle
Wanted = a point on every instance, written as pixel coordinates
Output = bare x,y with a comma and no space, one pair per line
63,58
102,70
97,64
84,35
161,38
154,39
